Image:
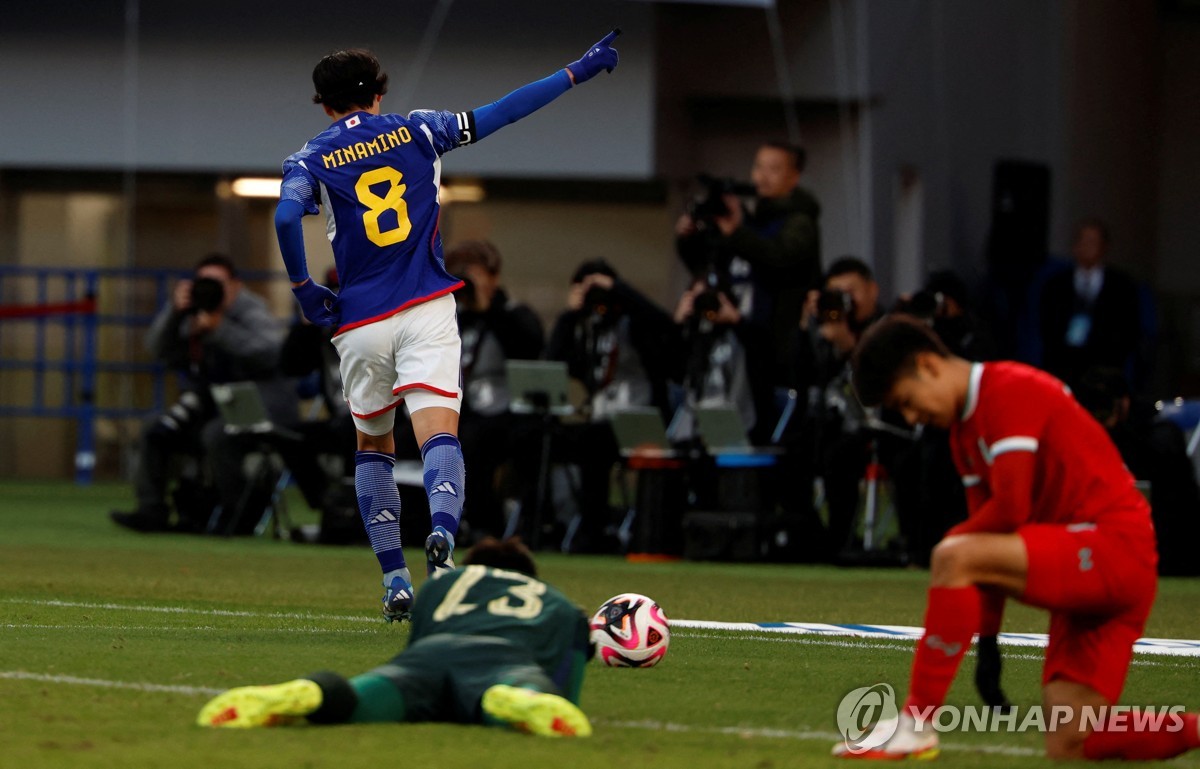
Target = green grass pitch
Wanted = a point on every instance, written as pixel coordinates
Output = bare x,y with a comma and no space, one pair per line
110,642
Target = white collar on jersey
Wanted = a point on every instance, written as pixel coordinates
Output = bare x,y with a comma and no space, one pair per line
972,391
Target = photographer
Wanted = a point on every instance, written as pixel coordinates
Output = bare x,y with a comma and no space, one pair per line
725,362
831,441
494,329
212,331
763,240
943,303
928,491
614,340
832,321
1155,451
618,345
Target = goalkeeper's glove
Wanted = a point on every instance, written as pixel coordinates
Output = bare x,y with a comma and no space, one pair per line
987,673
600,56
317,303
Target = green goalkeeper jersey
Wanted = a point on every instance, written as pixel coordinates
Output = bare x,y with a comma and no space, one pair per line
482,601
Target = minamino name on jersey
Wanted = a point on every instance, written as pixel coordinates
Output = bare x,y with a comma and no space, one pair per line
360,150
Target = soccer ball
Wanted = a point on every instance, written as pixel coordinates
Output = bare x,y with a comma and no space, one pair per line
630,631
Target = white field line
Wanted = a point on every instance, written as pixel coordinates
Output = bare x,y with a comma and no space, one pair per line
289,630
21,675
194,611
657,726
815,634
1158,646
900,645
788,734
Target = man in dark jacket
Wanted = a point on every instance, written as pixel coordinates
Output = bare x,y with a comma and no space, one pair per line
620,346
1089,314
769,248
213,331
494,329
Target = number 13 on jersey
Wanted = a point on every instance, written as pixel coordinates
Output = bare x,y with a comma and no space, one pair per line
392,200
522,600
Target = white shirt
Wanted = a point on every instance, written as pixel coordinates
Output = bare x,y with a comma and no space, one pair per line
1088,282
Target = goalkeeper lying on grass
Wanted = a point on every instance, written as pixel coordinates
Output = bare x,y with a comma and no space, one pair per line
490,644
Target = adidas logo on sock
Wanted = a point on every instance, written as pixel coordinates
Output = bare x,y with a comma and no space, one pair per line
383,516
445,486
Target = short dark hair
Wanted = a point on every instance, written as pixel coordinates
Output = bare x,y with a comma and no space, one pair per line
847,265
217,260
949,284
510,554
348,79
887,351
470,252
798,153
596,266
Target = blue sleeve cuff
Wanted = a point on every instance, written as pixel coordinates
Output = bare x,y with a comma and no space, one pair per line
520,103
291,239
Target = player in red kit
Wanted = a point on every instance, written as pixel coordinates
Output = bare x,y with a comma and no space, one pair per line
1055,521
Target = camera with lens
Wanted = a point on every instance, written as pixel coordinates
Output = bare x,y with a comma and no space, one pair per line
707,303
597,301
208,294
709,202
926,305
835,307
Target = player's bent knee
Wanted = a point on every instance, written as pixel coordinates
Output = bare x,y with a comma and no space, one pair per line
950,561
376,428
997,560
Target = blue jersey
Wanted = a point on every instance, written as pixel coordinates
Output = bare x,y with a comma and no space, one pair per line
377,178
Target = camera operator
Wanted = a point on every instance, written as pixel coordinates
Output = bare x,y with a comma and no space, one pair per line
212,331
494,329
764,240
1155,451
614,340
831,440
832,321
928,491
313,441
943,303
725,362
618,345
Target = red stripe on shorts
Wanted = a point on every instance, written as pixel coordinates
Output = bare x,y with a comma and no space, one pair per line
400,309
383,410
423,386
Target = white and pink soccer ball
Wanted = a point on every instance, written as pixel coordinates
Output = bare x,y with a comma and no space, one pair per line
630,631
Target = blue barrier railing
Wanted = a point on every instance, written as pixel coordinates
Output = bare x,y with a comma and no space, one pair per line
66,313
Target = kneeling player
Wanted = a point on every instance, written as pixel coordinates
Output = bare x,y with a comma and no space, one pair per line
1055,521
489,644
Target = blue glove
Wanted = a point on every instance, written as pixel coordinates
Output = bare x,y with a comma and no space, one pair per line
317,303
599,57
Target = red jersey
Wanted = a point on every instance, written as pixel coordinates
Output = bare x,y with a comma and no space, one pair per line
1029,453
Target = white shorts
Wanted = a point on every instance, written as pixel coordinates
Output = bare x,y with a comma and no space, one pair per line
413,356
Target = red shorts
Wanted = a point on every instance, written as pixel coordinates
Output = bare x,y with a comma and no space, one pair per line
1099,585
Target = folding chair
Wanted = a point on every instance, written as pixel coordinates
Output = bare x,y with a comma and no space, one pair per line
241,407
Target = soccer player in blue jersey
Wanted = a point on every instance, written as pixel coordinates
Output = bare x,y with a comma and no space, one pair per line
375,175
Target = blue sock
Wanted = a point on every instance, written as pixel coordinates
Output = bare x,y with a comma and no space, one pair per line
379,506
444,478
